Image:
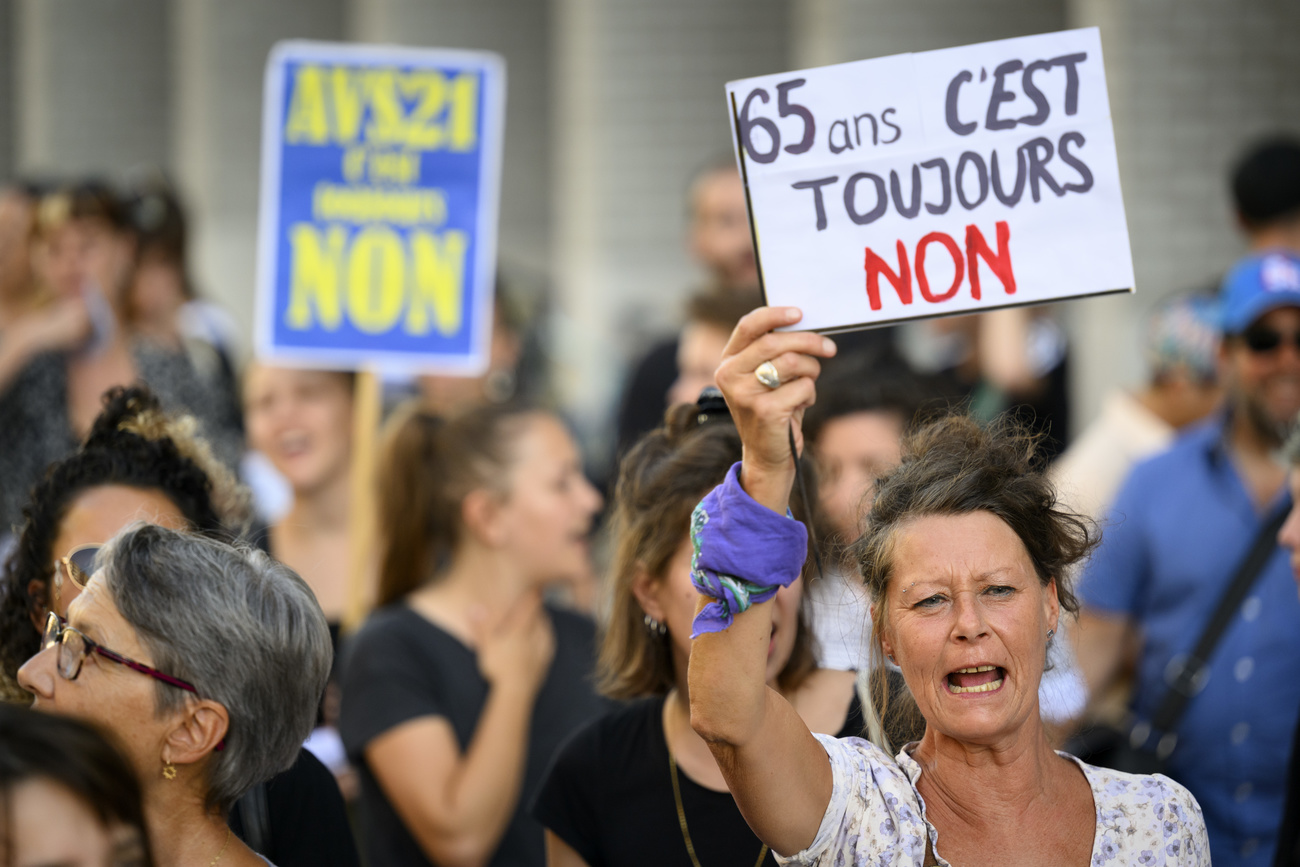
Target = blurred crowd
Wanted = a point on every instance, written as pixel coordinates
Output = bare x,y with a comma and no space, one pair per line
181,573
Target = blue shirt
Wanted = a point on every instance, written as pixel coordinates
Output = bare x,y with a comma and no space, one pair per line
1178,530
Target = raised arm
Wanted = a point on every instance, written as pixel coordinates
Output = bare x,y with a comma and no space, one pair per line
777,772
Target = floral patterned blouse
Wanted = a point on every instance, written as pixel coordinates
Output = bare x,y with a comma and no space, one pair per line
876,816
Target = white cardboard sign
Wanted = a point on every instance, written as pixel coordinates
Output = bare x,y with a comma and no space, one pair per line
935,183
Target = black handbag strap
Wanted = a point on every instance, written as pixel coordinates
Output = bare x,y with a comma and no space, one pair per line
1186,675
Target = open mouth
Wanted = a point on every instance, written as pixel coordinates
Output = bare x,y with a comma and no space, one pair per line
294,445
979,678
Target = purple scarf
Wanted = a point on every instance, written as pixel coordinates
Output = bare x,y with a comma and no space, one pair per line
744,553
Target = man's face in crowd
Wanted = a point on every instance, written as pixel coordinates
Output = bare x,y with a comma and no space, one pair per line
1265,383
853,451
719,231
699,352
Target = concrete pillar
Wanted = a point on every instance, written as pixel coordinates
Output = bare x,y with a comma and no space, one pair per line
640,105
220,57
518,30
837,31
93,87
8,122
1191,83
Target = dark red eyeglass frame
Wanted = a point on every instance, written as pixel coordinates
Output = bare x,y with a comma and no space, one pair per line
55,628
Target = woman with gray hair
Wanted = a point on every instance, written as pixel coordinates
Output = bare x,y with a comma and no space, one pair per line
139,464
238,653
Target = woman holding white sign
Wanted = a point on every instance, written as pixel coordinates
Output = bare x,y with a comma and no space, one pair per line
962,555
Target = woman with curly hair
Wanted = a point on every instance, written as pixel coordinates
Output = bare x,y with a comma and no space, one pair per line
136,464
141,465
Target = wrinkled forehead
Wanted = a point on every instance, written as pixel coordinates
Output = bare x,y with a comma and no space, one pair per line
919,587
95,613
956,550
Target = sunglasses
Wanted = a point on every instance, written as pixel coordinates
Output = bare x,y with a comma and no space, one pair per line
1262,340
76,567
74,647
79,565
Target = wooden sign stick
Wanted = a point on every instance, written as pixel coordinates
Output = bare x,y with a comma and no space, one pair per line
367,407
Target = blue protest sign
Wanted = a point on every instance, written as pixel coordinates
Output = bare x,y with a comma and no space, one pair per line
380,176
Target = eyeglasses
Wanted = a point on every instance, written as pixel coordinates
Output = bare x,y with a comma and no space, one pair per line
73,647
1262,340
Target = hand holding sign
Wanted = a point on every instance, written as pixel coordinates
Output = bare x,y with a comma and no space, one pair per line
764,414
936,183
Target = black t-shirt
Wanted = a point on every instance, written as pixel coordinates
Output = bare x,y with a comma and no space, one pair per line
306,820
401,667
609,795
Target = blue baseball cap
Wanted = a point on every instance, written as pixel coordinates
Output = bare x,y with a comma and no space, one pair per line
1258,284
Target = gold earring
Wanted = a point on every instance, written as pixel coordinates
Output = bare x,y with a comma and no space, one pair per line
169,771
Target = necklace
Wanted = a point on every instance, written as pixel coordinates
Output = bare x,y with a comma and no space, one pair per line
681,818
222,850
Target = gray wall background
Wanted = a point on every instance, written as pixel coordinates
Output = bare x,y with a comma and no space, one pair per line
612,104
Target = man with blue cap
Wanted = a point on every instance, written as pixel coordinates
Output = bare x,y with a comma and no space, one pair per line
1179,529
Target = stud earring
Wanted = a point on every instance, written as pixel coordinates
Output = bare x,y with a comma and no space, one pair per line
1051,633
655,626
169,771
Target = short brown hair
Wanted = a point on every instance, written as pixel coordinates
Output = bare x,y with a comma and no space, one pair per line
955,466
722,308
660,482
86,200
